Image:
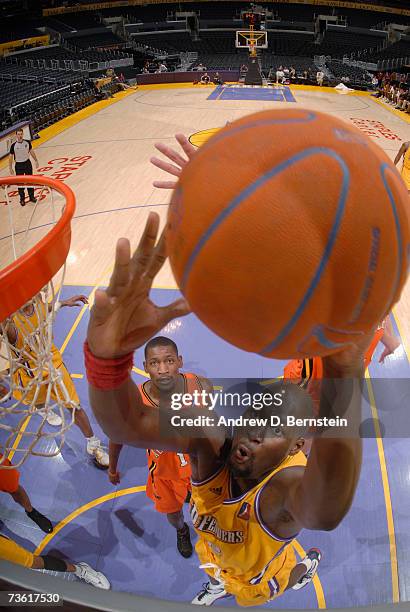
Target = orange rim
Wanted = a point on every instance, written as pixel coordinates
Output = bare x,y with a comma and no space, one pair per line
25,277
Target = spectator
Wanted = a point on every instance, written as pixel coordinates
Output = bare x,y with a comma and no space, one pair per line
280,75
292,74
163,67
217,79
320,75
205,79
305,75
375,82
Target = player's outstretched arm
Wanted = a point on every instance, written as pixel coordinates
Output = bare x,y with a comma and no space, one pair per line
123,318
325,493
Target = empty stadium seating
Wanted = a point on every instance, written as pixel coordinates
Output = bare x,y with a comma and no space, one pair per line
357,76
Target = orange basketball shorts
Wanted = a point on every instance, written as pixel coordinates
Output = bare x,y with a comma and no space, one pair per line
168,495
9,478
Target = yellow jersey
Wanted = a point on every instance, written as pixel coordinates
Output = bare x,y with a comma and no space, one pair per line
28,347
234,545
29,341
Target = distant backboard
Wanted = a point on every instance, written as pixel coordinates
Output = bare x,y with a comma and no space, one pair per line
245,39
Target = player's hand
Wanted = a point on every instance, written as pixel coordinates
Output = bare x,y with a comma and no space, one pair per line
75,300
180,162
391,344
123,317
114,477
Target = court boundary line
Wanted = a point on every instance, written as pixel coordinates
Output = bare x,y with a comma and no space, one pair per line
386,492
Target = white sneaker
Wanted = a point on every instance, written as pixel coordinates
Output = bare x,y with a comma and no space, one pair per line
88,574
51,417
311,561
95,449
209,594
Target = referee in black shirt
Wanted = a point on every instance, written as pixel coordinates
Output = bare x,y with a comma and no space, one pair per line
20,152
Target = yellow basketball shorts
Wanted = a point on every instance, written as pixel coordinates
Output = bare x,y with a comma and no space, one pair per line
23,380
273,584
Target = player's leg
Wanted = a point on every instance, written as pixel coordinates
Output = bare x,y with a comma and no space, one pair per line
82,570
184,544
176,519
13,552
304,571
94,447
214,589
10,483
18,168
169,497
20,497
30,190
180,490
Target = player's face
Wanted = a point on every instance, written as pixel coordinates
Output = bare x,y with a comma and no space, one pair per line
257,451
162,364
19,136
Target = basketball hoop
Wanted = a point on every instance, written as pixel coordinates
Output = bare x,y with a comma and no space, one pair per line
34,245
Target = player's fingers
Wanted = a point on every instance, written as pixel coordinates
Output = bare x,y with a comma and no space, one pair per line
102,308
143,252
179,308
170,153
165,184
187,147
165,166
158,258
120,276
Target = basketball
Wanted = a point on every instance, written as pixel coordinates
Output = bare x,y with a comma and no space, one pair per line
288,233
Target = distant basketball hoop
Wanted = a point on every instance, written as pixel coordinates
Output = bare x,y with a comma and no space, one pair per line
246,39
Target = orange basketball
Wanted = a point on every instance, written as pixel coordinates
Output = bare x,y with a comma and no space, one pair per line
289,233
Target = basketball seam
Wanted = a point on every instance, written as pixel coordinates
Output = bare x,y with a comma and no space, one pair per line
324,260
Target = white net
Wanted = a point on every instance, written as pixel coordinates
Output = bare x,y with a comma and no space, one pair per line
36,406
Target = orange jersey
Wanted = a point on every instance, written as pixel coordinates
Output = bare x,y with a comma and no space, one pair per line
165,464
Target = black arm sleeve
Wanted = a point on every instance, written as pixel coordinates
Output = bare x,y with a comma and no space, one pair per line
12,150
